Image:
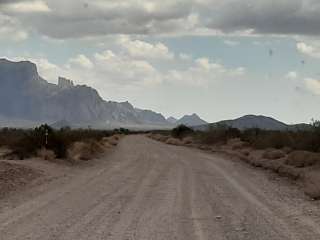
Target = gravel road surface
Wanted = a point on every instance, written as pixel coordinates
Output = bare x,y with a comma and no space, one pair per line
146,190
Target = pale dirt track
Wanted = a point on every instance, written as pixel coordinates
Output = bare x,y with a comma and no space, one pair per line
147,190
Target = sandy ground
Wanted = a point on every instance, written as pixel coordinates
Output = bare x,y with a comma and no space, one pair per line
147,190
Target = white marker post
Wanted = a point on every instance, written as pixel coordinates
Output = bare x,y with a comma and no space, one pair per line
47,134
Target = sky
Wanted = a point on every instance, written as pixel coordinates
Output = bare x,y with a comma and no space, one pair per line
220,59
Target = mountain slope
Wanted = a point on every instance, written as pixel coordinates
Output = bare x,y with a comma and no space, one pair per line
254,121
172,120
25,95
191,120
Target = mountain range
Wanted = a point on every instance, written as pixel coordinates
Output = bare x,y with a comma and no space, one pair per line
255,121
26,99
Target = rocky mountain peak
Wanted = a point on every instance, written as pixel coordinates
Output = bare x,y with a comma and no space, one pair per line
191,120
65,83
17,73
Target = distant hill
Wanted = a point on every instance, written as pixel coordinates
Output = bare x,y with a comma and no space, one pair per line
172,120
191,120
254,121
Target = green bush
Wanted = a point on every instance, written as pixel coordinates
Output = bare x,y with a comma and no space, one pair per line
181,131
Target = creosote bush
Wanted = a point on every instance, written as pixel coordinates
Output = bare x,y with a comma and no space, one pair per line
181,131
26,143
307,139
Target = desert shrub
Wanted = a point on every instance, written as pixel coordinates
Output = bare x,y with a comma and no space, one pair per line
302,159
187,140
219,134
122,131
311,184
46,154
181,131
174,141
273,154
26,143
262,139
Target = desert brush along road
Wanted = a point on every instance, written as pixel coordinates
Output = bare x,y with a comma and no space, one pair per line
146,190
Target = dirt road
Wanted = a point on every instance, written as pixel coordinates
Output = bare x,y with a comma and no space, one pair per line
147,190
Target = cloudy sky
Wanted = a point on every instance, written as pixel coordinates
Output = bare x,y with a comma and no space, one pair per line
218,58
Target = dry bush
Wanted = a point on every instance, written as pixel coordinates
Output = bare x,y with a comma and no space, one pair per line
112,140
289,171
174,141
218,135
85,150
163,138
236,143
205,147
156,137
187,140
245,152
79,151
273,154
311,184
273,165
106,145
46,154
181,131
160,137
302,159
287,150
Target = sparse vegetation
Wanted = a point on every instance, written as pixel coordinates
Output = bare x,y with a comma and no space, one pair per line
32,142
181,131
293,153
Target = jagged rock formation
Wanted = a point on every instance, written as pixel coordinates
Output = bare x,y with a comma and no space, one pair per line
25,95
65,83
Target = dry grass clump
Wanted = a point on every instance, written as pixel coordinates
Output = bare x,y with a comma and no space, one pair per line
156,137
85,150
159,137
174,141
236,143
112,140
46,154
245,151
187,140
290,172
311,184
163,138
273,165
302,159
273,154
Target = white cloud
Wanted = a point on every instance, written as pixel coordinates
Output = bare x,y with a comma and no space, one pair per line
119,69
231,43
309,50
145,50
125,70
11,29
292,75
77,19
185,57
36,6
82,61
313,85
202,72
